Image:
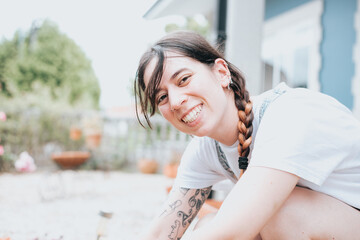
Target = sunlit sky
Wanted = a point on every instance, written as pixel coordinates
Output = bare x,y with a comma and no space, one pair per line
112,33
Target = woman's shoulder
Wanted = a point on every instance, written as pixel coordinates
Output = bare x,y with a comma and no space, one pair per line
284,101
308,103
262,102
302,113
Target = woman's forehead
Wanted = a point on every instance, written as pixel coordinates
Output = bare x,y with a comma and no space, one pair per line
172,63
149,70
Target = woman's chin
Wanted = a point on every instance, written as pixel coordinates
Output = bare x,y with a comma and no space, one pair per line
200,132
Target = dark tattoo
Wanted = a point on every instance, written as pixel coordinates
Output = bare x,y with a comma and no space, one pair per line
184,191
186,212
192,200
174,230
172,207
176,204
205,193
195,202
184,216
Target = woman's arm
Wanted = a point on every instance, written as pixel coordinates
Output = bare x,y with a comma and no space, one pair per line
256,197
177,213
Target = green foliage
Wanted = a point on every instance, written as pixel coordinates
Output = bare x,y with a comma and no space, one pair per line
7,162
7,53
31,129
46,60
191,24
38,132
42,133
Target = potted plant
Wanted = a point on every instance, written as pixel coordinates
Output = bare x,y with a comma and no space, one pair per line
93,131
170,168
147,165
71,159
75,133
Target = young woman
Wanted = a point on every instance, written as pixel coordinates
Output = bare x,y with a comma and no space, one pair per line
300,149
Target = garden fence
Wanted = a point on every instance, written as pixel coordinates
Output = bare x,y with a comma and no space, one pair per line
123,140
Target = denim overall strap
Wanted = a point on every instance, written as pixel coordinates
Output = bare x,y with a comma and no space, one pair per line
223,161
274,94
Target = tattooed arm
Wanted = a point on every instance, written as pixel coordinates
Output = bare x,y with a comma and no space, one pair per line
179,210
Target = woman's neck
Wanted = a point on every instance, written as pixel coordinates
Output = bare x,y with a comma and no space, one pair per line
227,132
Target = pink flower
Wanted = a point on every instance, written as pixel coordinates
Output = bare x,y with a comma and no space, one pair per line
25,163
2,116
1,150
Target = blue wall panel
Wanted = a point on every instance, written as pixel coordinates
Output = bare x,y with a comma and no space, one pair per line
337,49
276,7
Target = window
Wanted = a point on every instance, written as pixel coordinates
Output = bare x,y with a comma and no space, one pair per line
290,47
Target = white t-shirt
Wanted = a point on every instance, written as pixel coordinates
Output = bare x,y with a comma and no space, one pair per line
302,132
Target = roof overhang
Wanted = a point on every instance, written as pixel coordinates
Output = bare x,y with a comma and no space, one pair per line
162,8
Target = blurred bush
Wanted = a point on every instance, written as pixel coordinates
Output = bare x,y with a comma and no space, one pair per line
198,23
47,61
46,84
47,89
38,132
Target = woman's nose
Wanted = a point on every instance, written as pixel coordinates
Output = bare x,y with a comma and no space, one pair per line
176,98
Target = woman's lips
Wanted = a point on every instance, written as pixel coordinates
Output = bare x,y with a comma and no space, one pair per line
192,115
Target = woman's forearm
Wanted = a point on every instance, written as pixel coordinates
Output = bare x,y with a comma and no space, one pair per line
250,205
179,210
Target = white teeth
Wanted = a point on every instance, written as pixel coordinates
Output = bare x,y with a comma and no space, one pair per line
192,116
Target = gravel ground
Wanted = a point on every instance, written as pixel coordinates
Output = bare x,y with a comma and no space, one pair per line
65,204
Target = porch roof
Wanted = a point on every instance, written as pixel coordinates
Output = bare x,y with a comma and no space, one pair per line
162,8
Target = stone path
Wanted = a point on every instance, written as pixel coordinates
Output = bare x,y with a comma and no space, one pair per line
65,204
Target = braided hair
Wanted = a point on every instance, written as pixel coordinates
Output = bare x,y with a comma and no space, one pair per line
192,45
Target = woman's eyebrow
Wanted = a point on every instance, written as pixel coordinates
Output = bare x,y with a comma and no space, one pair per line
178,72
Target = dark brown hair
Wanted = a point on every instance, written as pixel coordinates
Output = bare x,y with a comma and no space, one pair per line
192,45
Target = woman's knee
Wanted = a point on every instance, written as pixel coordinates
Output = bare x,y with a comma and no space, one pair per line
287,220
204,220
307,214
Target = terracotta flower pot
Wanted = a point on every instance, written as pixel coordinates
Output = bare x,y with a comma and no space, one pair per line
70,160
75,133
147,165
93,140
170,169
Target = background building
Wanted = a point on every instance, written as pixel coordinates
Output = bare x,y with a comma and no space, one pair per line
308,43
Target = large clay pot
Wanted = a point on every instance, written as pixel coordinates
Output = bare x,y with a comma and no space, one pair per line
146,165
70,160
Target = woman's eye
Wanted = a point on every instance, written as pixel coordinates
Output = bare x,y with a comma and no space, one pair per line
162,98
184,79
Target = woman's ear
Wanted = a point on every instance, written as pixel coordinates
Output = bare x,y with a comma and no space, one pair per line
221,70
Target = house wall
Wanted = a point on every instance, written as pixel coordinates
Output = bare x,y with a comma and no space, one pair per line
356,57
244,37
337,49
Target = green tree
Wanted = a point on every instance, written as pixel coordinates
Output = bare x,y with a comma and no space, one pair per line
46,63
7,53
192,25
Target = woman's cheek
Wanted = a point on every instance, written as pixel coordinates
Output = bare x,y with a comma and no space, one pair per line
165,112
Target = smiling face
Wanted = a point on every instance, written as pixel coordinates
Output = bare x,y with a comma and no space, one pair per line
186,79
192,96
